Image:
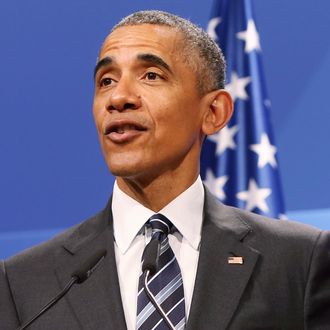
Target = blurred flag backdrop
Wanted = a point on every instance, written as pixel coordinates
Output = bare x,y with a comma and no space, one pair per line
240,164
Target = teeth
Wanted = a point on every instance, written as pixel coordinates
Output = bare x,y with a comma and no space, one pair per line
123,129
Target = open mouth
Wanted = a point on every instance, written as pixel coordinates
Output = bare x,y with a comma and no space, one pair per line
121,128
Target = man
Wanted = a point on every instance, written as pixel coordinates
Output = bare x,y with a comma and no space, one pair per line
158,92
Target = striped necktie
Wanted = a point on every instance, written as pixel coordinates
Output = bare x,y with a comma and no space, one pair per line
166,284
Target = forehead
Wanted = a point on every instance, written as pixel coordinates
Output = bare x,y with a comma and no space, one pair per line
162,40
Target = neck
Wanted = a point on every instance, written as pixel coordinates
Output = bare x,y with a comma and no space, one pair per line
156,193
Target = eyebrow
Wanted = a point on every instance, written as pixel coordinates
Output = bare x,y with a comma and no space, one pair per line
102,63
148,58
154,59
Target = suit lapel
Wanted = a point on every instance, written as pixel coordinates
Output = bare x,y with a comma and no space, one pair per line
220,285
96,303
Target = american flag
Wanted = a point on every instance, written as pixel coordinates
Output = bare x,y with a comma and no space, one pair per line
239,164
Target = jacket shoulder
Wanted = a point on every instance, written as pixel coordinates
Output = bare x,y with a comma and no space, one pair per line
260,231
70,239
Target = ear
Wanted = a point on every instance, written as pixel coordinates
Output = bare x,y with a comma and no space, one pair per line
219,111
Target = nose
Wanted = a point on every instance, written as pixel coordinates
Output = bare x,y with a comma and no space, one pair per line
124,96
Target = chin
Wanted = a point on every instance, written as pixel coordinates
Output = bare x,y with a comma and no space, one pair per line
122,172
133,172
123,167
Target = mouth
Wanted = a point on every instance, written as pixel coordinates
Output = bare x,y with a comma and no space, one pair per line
123,130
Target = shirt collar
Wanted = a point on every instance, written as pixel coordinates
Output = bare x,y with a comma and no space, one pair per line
185,212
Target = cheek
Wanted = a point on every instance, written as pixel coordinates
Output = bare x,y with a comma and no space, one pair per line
177,117
177,131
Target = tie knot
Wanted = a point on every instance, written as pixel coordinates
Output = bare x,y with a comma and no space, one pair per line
159,223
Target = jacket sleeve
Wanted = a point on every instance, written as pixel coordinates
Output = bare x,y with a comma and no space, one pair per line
8,315
317,294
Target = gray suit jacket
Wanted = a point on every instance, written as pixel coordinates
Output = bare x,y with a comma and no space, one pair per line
284,282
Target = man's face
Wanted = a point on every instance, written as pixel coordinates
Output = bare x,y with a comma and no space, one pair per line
147,107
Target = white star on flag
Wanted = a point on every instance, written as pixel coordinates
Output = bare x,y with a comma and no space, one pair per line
266,152
224,139
236,87
213,23
251,37
216,184
255,197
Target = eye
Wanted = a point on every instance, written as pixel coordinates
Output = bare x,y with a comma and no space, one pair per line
152,76
105,82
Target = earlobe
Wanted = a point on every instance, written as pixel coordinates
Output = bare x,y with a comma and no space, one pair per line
218,113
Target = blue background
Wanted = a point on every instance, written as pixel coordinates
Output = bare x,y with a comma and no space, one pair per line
52,173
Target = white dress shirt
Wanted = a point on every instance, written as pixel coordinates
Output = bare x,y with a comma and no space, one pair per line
129,217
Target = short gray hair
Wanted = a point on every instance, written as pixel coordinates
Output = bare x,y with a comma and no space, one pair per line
210,68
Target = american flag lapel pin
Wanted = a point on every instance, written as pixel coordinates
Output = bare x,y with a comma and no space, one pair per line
235,260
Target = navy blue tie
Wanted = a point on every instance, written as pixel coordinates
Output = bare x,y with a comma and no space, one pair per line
166,284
